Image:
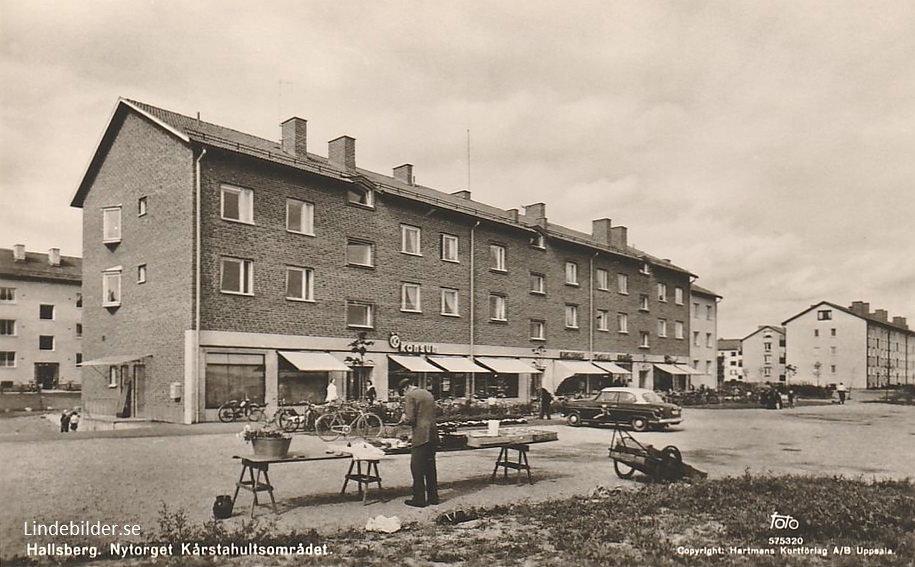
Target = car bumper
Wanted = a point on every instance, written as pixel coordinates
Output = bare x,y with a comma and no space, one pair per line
670,420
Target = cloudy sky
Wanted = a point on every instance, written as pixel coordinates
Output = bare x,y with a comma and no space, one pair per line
769,147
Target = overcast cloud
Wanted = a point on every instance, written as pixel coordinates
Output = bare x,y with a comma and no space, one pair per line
766,146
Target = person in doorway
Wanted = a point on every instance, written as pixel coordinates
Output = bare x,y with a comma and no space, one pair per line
370,393
331,391
419,411
546,403
74,421
842,391
65,421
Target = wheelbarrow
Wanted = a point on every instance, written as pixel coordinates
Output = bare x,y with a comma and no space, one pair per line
629,455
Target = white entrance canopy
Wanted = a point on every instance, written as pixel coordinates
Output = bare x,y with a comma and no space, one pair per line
611,368
579,367
672,369
458,364
114,360
314,361
414,363
507,365
688,369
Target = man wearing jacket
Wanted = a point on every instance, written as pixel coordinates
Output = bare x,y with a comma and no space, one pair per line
419,411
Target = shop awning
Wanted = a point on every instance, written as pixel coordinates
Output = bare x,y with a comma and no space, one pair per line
611,368
414,363
314,361
506,365
579,367
671,369
688,369
458,364
114,360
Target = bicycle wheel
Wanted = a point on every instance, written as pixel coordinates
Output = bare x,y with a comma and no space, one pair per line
369,426
226,413
289,421
328,427
256,413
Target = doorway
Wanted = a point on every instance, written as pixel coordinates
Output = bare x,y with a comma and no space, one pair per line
47,375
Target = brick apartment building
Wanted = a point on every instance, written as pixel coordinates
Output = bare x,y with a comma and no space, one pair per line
828,344
40,318
219,265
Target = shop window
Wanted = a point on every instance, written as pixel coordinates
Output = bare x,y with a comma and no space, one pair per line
234,377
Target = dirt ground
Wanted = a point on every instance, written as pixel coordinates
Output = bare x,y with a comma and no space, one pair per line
125,477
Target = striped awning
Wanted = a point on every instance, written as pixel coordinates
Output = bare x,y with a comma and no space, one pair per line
458,364
314,361
506,365
671,369
414,363
611,368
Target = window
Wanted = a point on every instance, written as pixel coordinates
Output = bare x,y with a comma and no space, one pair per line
767,346
46,312
360,253
410,240
300,283
237,204
79,329
678,295
816,332
695,338
497,307
571,273
662,327
832,350
300,217
538,241
662,292
678,329
643,339
449,248
832,368
7,295
708,312
142,204
767,359
410,298
79,359
603,320
79,300
696,310
45,342
111,224
571,316
622,283
7,327
141,273
622,323
643,302
767,371
111,288
708,340
603,279
7,359
538,330
645,269
361,196
832,332
824,315
538,283
359,314
237,276
113,376
449,301
497,257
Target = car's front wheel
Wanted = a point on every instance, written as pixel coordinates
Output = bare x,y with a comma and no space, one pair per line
573,419
639,423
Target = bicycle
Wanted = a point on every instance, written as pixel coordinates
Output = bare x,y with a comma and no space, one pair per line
332,425
290,420
233,410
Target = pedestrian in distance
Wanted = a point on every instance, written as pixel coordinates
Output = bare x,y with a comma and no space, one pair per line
331,391
546,403
65,421
370,393
419,411
842,391
791,398
74,421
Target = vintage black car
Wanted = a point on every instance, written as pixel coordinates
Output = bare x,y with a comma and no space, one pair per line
636,407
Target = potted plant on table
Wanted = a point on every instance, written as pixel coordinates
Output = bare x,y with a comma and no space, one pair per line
267,441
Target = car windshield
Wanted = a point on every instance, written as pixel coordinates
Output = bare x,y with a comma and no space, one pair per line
651,397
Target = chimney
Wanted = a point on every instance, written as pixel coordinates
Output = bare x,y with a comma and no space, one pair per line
342,152
537,211
600,231
54,256
19,252
295,136
860,308
513,214
463,194
404,173
881,315
619,237
900,322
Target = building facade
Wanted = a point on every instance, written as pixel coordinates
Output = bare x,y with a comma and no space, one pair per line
763,353
266,271
40,319
730,360
828,344
703,345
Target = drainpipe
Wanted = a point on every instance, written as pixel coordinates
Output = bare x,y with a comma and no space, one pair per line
591,306
472,302
193,393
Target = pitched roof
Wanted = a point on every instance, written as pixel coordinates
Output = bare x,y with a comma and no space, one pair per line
702,291
777,329
869,318
728,344
37,267
198,131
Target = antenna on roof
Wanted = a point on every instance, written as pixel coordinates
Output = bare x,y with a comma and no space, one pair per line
198,117
468,159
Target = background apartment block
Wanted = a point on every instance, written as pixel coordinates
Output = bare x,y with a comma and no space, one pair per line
40,318
763,353
730,360
219,265
829,344
703,342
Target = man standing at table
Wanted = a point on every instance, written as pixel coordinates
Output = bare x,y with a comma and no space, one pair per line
419,411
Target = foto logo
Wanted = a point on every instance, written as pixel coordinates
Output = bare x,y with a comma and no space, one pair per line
783,522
